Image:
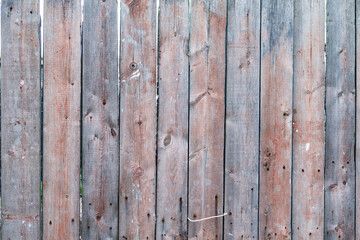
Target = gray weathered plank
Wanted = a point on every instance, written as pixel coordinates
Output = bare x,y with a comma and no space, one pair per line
308,120
242,120
137,119
340,121
207,109
100,118
20,123
61,143
276,119
357,153
173,120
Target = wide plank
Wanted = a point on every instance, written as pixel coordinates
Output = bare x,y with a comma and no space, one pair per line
61,129
172,144
276,119
100,118
340,121
309,120
242,120
20,120
137,119
207,110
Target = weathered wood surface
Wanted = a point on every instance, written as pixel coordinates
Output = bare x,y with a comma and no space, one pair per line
20,120
308,120
340,121
276,119
173,120
357,153
100,118
207,109
61,130
242,120
137,119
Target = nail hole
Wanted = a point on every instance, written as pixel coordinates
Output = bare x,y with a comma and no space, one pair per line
133,66
50,223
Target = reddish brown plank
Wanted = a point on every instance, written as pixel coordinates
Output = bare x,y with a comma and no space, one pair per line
173,120
308,120
62,77
207,109
276,119
242,120
20,120
339,214
100,145
137,119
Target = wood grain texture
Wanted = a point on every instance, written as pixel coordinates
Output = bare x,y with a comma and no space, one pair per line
242,120
138,119
20,119
357,153
308,120
207,109
173,120
62,83
100,146
276,119
340,121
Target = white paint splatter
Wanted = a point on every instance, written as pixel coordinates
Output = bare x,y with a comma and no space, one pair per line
307,146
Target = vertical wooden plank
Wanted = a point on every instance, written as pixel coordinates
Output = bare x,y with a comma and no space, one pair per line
62,73
357,153
309,120
207,109
340,121
138,119
173,120
242,120
276,119
100,146
20,119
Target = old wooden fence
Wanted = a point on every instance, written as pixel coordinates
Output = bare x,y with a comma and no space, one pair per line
151,115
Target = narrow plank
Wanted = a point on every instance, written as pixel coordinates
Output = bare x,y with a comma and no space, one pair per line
276,119
207,109
173,120
62,83
340,121
20,122
138,119
100,117
242,120
309,120
357,153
